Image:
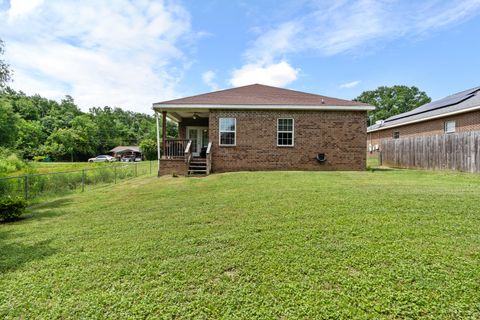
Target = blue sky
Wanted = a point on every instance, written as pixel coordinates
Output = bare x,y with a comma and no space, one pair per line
132,53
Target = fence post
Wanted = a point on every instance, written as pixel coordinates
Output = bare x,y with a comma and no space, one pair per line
150,167
26,187
136,174
115,173
83,180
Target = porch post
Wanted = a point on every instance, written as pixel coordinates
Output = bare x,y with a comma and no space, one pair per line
158,144
164,131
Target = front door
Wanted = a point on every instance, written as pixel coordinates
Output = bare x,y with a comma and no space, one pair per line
199,137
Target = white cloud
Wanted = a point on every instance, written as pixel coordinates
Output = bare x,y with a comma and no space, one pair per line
21,8
117,53
350,85
279,74
272,43
208,77
344,26
332,28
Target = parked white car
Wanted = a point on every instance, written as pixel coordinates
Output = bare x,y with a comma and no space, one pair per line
102,158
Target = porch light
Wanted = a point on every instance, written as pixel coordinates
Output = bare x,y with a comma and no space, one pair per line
195,116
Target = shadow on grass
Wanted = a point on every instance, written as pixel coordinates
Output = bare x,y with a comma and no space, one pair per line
48,209
15,254
41,211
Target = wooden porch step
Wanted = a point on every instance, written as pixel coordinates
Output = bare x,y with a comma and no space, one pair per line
197,167
190,172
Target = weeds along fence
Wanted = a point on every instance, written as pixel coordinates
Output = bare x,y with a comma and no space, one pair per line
456,151
33,186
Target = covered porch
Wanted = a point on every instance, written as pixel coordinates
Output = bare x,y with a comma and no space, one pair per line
190,152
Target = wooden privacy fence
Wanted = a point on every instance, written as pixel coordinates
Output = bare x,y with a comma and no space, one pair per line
456,151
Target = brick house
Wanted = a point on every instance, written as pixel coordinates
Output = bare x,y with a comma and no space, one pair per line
259,127
459,112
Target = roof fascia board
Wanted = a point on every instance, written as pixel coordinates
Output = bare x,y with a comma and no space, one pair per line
426,119
259,107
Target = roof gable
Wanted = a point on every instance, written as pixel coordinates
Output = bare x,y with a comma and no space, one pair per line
258,94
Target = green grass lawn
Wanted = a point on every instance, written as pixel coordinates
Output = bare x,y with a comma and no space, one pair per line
273,245
372,160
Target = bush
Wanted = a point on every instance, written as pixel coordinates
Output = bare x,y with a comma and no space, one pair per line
10,162
11,208
39,158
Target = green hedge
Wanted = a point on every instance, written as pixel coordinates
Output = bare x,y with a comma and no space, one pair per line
12,208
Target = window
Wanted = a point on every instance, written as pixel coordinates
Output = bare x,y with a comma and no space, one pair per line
450,126
228,128
285,132
396,135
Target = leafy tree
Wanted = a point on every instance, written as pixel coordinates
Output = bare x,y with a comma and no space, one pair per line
26,108
5,72
87,131
390,101
62,143
8,124
149,148
30,137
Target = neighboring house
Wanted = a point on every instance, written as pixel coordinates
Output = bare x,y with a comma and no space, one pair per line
459,112
259,127
126,151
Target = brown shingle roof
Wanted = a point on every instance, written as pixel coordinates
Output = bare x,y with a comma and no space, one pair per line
257,94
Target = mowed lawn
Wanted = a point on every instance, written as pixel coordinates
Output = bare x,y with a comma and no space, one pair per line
271,245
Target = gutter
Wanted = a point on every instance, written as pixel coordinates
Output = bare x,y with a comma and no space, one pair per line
158,107
425,119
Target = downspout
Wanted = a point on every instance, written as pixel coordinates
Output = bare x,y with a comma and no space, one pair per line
158,144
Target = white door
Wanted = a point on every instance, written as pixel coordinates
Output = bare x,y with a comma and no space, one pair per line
199,137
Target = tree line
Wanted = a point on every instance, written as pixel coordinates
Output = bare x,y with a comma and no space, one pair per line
34,126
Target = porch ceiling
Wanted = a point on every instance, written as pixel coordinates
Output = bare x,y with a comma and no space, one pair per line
178,115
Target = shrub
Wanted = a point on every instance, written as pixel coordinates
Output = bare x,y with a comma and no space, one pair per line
11,208
39,158
10,163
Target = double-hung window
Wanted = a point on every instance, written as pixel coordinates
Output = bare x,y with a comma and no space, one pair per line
450,126
228,131
285,132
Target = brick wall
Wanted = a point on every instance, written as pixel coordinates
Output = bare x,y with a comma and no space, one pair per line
341,135
169,166
469,121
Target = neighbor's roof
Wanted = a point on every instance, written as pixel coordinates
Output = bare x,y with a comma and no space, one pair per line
460,102
126,148
259,95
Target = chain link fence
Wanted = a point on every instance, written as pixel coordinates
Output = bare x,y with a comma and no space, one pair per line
34,186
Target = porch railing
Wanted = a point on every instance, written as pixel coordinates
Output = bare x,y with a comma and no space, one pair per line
188,153
175,148
209,157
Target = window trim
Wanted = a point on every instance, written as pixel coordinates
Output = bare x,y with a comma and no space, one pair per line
445,124
292,132
393,135
220,133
